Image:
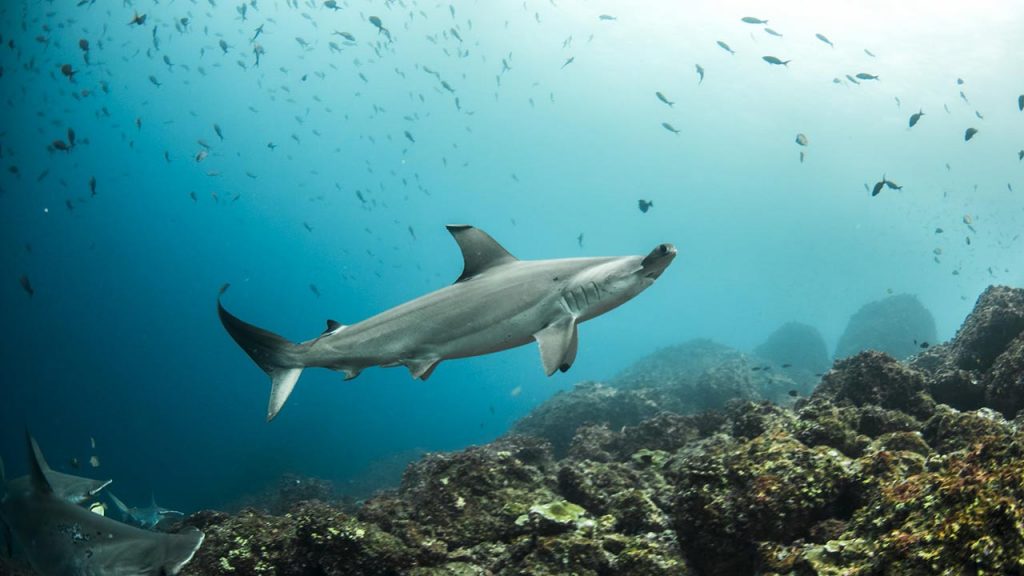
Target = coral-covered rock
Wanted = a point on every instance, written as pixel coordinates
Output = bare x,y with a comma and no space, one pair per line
313,538
876,378
1004,383
896,325
731,494
997,318
949,430
589,403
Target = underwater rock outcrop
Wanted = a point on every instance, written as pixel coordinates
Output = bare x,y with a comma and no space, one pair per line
897,325
869,475
800,346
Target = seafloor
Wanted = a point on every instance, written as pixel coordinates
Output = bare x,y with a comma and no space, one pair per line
700,460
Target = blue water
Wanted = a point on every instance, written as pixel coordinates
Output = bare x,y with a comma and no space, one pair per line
121,342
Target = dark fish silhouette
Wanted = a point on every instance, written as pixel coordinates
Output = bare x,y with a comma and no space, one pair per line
700,72
662,97
314,290
772,32
606,17
26,285
914,118
775,61
878,187
138,19
669,127
92,185
725,47
644,205
1020,102
824,39
866,76
969,133
752,20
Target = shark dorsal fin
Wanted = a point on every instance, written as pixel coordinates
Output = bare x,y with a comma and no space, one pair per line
480,252
38,468
333,325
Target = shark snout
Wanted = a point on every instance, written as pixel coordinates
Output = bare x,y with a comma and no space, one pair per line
659,259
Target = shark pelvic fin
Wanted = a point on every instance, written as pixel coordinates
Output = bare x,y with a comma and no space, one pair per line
480,252
421,368
558,343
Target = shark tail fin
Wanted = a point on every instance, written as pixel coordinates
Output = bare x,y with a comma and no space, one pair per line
179,549
279,358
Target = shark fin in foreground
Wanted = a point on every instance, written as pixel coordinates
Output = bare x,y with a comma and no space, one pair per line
498,302
73,489
59,538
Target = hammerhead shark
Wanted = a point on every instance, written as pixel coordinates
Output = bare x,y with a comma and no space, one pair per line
499,302
41,519
149,517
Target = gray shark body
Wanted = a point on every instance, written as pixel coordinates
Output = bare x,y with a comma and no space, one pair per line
148,517
499,302
58,537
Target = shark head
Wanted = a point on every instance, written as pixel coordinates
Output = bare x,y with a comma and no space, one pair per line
602,287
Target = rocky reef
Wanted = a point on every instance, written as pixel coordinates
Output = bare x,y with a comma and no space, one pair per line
897,325
888,467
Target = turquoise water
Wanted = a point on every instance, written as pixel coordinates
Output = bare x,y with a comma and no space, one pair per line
120,341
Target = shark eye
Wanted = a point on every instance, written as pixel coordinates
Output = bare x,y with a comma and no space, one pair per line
663,249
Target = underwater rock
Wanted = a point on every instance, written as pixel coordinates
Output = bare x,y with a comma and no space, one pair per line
876,378
798,345
997,318
950,430
468,497
1004,383
588,403
313,538
732,493
895,325
665,431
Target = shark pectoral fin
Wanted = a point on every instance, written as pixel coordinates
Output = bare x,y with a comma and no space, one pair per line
557,345
479,251
421,368
282,381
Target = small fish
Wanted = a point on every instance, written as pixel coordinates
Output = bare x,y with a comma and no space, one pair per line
967,239
869,53
939,230
801,139
71,137
700,72
1020,102
411,231
725,47
852,79
83,44
201,155
866,76
787,365
664,99
380,26
794,393
772,32
606,17
223,288
138,19
193,196
1020,155
570,60
332,4
26,285
924,345
755,369
964,97
892,185
645,205
409,136
516,391
669,127
579,239
969,133
978,114
775,61
154,81
216,128
878,187
68,71
914,118
314,290
959,81
307,226
94,461
802,156
92,185
752,20
824,39
223,45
